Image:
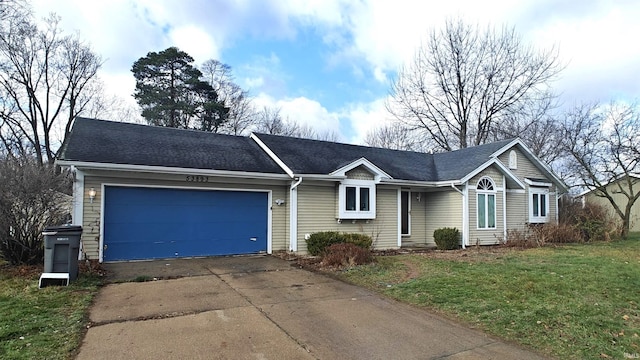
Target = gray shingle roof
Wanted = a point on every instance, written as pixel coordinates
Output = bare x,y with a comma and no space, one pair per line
304,156
457,164
103,141
111,142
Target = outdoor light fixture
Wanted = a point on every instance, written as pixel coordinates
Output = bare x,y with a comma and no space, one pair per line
92,194
279,202
419,197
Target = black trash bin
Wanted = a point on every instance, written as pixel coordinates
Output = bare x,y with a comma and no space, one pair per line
61,247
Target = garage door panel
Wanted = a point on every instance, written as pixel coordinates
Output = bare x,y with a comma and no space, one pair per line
144,223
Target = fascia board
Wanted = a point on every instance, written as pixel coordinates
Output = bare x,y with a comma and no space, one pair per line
170,170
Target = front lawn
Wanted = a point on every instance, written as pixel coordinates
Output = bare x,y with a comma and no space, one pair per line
574,302
41,323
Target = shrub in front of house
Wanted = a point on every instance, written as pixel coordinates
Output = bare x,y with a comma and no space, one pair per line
447,238
591,221
361,240
346,255
320,241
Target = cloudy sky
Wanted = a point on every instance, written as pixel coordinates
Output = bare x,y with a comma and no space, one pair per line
329,63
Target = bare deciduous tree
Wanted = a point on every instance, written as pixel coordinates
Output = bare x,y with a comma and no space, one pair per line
463,81
45,82
603,146
32,196
536,124
270,121
395,136
242,114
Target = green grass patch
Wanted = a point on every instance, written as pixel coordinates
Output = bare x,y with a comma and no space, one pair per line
43,323
573,302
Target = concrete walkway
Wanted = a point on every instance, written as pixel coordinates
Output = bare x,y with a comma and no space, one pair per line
263,308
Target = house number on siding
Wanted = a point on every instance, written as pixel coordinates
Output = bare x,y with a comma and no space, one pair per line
197,178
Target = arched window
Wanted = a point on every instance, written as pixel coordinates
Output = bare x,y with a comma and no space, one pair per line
486,192
485,184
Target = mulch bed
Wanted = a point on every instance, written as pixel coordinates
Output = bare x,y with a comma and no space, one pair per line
314,263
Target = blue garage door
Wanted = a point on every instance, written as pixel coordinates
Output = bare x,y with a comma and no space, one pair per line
156,223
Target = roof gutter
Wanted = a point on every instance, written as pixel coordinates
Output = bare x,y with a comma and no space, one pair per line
169,170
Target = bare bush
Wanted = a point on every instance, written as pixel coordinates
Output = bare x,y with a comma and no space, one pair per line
31,197
593,221
346,255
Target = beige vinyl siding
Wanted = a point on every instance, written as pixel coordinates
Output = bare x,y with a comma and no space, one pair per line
317,204
359,173
91,211
517,212
518,203
442,209
418,216
621,200
493,235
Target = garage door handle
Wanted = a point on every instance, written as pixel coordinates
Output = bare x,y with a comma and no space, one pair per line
104,247
253,239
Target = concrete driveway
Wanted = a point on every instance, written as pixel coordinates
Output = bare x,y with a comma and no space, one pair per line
263,308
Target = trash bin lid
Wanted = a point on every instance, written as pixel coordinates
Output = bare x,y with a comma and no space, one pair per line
62,228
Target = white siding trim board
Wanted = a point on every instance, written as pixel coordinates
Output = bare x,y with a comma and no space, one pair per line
293,215
78,197
504,206
399,205
465,215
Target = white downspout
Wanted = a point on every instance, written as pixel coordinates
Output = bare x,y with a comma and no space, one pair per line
293,215
464,214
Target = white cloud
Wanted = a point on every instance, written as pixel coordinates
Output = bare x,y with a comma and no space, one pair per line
374,38
253,82
195,41
366,117
302,110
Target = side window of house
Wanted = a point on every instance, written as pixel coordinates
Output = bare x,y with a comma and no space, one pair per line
486,192
357,199
538,205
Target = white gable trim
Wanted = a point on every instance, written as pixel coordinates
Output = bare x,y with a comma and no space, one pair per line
272,155
377,172
529,154
500,165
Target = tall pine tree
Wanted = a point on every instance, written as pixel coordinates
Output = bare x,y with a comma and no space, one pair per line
171,93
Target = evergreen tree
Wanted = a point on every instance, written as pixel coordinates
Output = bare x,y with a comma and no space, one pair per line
171,93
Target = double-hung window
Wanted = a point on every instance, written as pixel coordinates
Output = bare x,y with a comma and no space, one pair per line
357,199
538,205
486,192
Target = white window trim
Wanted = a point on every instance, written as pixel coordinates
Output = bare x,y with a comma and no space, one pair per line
486,205
539,191
342,199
